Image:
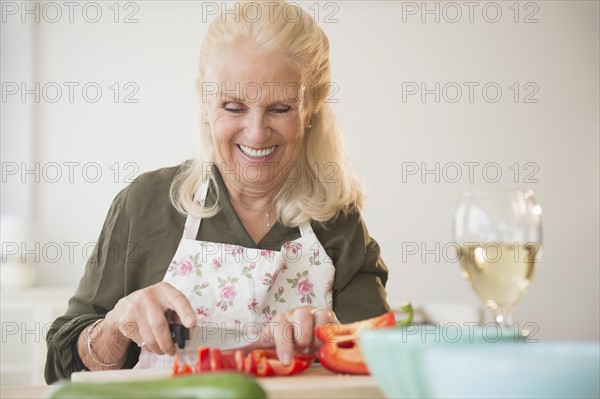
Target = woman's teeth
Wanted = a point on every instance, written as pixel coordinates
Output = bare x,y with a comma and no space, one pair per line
252,153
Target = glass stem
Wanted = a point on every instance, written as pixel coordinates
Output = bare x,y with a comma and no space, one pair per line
504,318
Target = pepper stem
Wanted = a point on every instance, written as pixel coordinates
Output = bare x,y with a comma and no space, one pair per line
407,309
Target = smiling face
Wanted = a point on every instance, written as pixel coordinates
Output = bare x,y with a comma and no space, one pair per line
256,116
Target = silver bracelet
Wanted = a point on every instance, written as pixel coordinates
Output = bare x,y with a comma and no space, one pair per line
89,345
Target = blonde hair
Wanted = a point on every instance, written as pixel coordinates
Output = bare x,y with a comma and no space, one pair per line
324,186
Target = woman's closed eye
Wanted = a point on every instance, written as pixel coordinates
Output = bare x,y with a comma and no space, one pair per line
235,108
280,109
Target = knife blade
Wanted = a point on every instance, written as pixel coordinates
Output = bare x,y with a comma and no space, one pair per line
211,335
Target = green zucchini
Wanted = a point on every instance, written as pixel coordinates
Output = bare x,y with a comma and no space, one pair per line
213,385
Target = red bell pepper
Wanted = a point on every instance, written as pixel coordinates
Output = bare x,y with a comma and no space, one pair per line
268,364
299,364
175,370
216,360
203,361
181,369
187,369
250,364
239,359
229,360
263,368
340,351
259,362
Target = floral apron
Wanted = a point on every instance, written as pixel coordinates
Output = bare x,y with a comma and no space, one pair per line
231,286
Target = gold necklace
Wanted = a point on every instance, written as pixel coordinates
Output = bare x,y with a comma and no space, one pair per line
265,211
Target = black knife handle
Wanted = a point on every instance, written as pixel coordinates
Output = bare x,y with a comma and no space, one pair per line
179,334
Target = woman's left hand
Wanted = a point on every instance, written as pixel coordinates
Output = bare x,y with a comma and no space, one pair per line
294,330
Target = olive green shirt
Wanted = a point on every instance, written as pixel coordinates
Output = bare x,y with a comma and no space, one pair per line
139,239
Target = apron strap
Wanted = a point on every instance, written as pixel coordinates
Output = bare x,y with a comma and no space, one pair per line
192,223
305,229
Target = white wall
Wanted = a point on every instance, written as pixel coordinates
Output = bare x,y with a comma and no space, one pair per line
374,52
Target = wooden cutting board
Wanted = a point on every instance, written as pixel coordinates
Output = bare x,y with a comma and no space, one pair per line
315,382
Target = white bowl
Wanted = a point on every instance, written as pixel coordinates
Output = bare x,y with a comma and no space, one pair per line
414,362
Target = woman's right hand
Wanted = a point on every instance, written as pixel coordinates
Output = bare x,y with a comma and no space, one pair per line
142,316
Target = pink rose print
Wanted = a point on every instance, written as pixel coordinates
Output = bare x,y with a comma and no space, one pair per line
267,253
185,267
232,249
314,258
269,280
330,287
268,314
279,295
173,266
293,246
217,264
228,292
202,311
253,305
304,287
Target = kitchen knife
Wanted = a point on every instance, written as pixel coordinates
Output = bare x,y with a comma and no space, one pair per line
211,335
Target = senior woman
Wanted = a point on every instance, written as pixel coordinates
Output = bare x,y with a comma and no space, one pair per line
262,227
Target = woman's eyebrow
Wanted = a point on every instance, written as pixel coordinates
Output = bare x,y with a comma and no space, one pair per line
231,98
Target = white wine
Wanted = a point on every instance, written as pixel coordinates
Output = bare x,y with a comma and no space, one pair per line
500,272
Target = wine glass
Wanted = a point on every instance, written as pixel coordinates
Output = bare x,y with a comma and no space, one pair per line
499,236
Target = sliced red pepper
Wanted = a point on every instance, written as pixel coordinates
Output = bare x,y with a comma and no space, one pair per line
343,358
259,362
340,351
182,369
259,359
296,366
299,363
263,368
203,362
333,332
239,360
250,364
229,362
186,369
175,370
268,364
216,359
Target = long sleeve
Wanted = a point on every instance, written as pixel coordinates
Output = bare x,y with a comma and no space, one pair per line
136,244
100,288
360,272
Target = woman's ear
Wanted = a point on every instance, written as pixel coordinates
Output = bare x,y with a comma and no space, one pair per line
308,122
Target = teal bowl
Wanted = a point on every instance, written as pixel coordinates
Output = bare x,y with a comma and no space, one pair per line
434,362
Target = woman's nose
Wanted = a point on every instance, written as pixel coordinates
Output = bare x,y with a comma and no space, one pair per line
257,129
